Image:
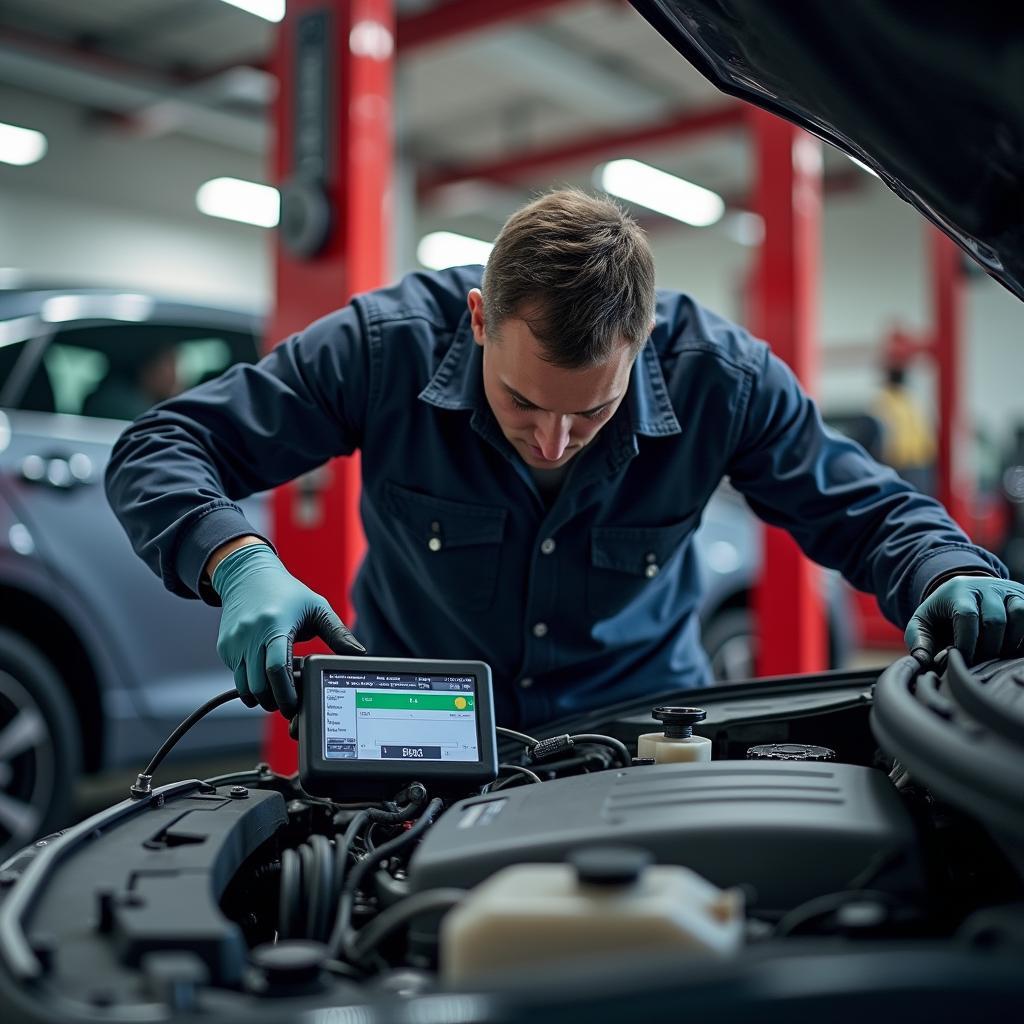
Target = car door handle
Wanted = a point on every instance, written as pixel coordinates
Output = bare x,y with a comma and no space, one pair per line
61,472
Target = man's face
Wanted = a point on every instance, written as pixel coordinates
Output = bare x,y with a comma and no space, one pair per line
547,413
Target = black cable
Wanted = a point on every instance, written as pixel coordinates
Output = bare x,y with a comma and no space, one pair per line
607,741
399,814
821,906
342,935
387,922
144,783
368,838
519,770
520,736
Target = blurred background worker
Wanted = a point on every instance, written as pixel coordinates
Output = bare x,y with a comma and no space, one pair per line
908,439
129,390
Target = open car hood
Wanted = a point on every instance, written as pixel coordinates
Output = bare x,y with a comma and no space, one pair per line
929,96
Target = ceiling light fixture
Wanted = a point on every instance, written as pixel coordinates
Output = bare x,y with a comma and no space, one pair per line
272,10
665,193
21,146
442,249
59,309
234,199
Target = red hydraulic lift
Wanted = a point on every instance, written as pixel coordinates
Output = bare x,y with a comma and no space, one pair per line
332,161
791,623
948,288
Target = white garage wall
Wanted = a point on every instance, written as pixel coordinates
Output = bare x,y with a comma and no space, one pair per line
104,208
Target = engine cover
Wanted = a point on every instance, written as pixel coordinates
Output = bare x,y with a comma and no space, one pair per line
790,831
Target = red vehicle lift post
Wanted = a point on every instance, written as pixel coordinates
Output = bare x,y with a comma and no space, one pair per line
332,162
790,617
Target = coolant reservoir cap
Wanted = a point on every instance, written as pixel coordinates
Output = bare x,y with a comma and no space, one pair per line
609,865
789,752
679,722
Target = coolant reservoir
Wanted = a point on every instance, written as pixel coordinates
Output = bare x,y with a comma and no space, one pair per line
605,900
677,742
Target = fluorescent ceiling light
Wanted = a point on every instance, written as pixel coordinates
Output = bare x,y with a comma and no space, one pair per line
647,186
441,249
245,201
21,146
127,306
272,10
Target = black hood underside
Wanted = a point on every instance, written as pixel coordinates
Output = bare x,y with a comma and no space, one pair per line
930,96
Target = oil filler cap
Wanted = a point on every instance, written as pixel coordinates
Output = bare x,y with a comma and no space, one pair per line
609,865
789,752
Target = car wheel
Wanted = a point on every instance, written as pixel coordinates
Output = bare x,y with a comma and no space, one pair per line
40,749
730,642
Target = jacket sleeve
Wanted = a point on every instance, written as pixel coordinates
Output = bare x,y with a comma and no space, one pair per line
175,473
844,509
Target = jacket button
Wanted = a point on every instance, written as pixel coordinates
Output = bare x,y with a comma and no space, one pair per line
547,546
434,543
525,683
651,571
540,629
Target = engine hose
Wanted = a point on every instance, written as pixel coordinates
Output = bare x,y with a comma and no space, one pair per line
342,935
386,923
289,893
321,884
309,888
305,908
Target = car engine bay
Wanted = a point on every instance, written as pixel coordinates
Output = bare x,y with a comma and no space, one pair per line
854,845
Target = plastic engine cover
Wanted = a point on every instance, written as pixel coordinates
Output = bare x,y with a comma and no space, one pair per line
790,831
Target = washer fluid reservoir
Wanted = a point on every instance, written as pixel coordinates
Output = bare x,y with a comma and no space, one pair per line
606,900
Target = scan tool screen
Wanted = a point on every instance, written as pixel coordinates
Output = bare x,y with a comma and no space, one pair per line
399,716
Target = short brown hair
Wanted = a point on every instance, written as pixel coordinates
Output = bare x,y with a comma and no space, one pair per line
578,270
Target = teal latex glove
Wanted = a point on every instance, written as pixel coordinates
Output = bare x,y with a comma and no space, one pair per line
980,616
265,610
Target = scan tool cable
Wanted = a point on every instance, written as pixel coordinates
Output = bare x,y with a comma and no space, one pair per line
144,782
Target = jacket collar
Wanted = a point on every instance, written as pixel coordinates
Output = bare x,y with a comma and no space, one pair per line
458,384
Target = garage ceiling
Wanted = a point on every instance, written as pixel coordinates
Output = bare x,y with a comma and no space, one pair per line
576,69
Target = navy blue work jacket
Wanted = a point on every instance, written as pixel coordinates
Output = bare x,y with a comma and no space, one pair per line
588,601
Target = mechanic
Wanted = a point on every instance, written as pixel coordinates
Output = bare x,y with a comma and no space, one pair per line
538,443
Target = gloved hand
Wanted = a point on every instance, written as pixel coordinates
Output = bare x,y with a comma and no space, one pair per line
982,617
265,609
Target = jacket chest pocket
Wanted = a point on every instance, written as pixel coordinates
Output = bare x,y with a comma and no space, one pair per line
626,561
453,548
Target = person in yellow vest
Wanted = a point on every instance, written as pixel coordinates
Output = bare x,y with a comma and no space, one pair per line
908,441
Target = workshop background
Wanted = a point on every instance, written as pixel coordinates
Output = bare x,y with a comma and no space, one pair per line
128,110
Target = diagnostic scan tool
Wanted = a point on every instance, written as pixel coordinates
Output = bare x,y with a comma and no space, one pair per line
372,725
